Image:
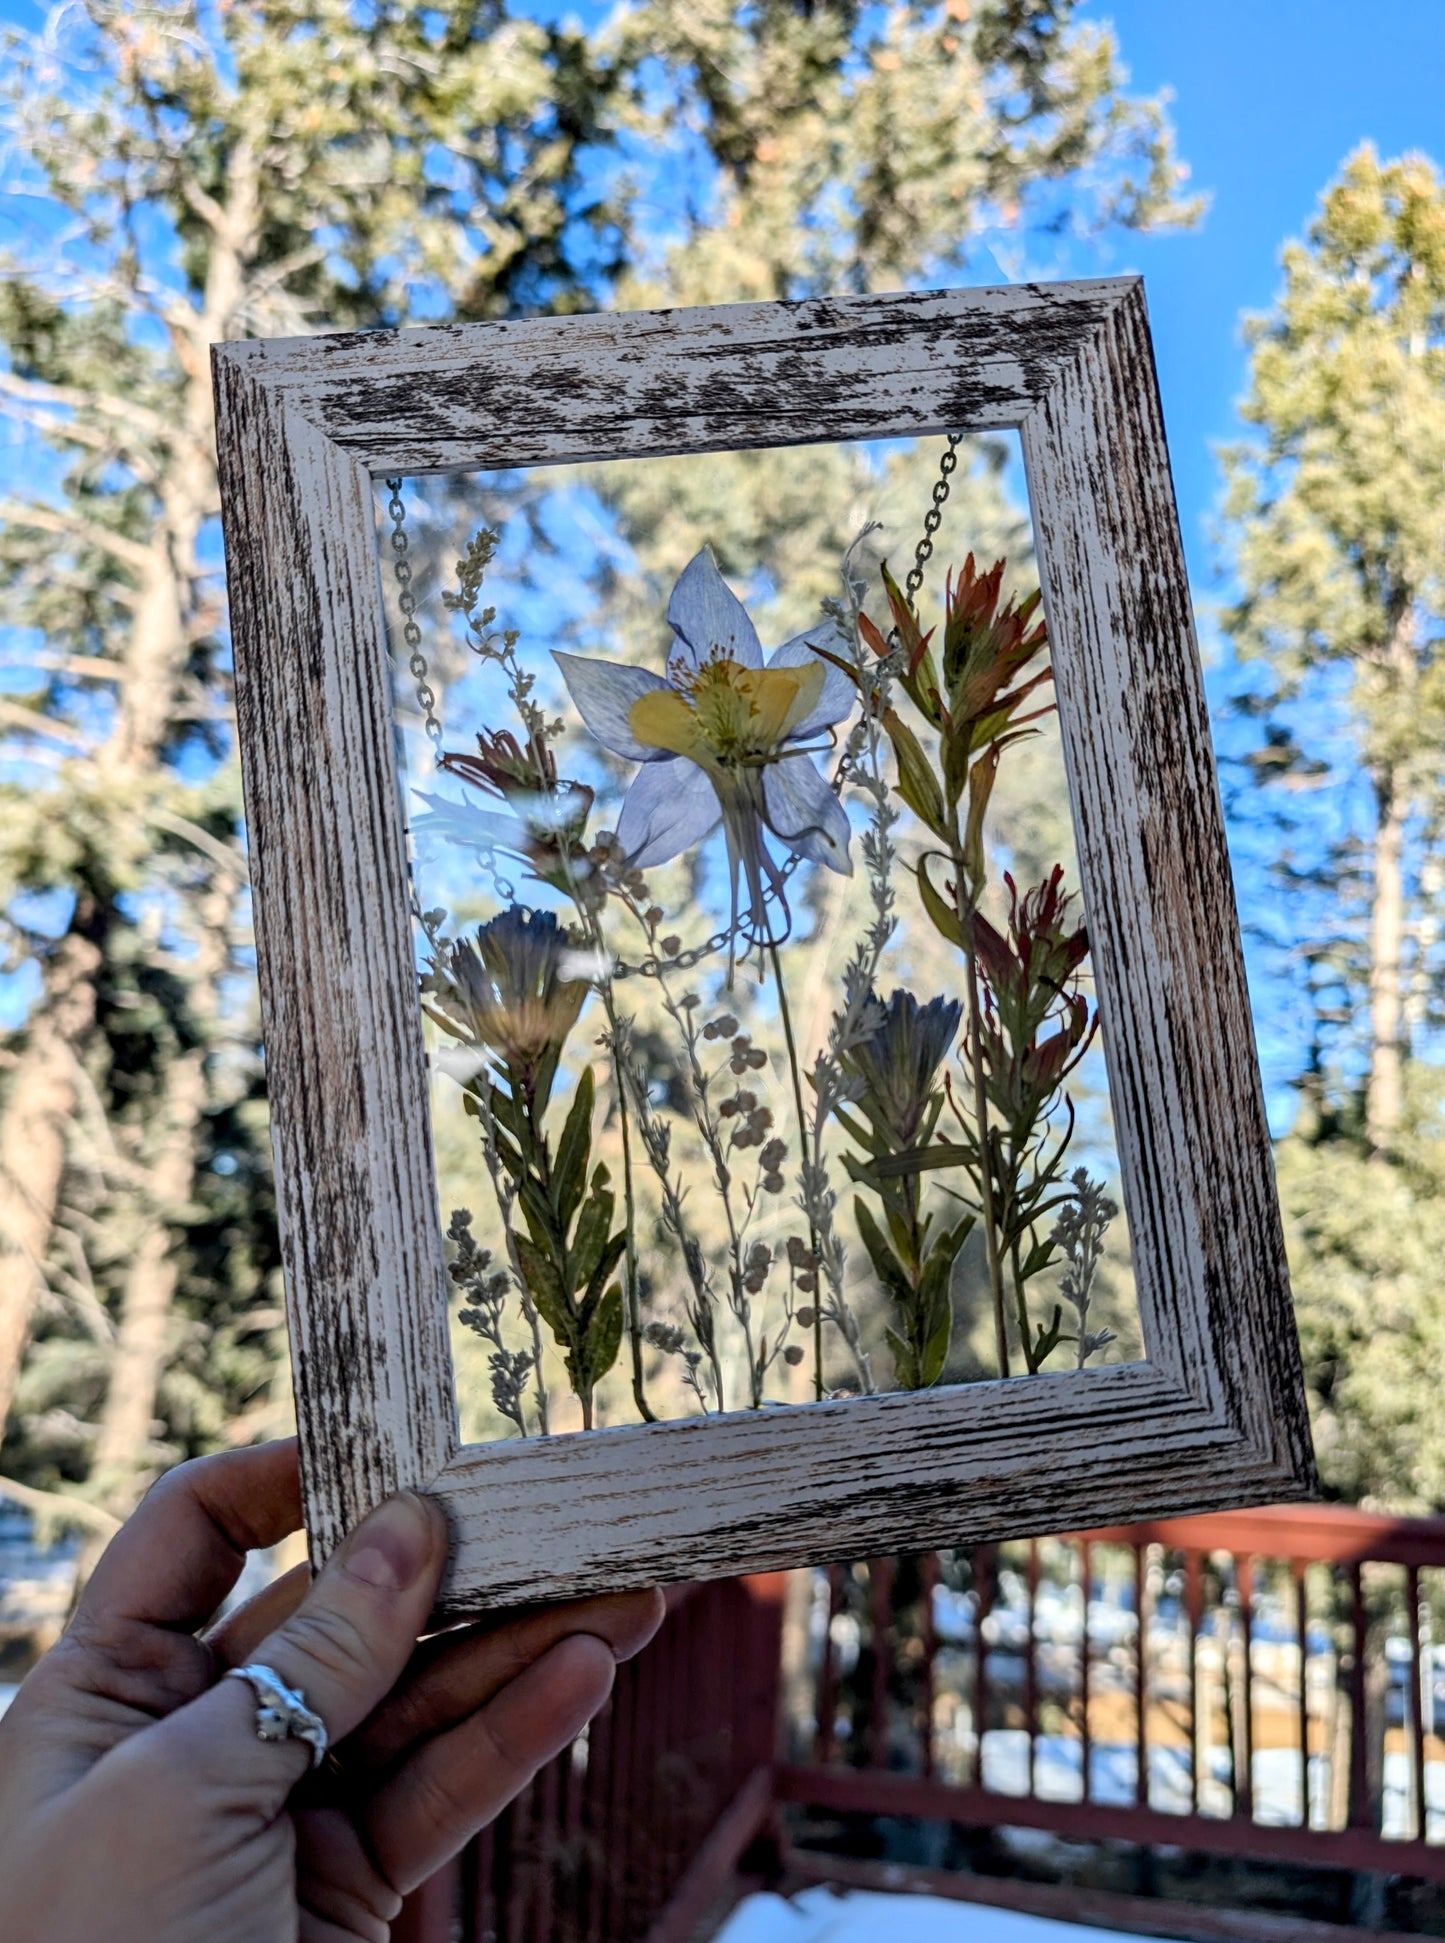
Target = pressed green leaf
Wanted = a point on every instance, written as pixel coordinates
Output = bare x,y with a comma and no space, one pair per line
594,1229
866,1137
604,1335
895,1210
1047,1340
981,780
945,919
918,1160
570,1174
537,1213
1037,1259
935,1315
905,1366
507,1112
886,1265
955,746
956,1236
594,1225
611,1256
859,1170
546,1287
917,784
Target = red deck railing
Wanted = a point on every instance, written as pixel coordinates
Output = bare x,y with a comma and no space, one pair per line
1259,1684
648,1813
1256,1684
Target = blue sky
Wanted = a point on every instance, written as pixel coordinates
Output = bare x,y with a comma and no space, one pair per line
1269,98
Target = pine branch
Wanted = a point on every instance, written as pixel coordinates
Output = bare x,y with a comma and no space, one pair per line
230,860
126,411
29,722
59,1508
73,526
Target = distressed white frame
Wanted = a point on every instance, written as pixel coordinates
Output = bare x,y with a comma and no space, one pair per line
1216,1416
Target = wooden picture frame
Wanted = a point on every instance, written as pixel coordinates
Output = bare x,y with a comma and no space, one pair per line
1216,1416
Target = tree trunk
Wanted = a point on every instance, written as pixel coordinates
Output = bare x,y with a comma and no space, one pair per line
1396,681
1384,1095
33,1143
42,1099
119,1467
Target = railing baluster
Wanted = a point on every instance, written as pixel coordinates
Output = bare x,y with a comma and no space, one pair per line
928,1572
1031,1669
880,1588
614,1782
479,1908
1302,1628
519,1870
1417,1709
677,1769
1141,1680
826,1707
983,1562
1360,1815
1198,1729
600,1758
1086,1568
1244,1780
547,1832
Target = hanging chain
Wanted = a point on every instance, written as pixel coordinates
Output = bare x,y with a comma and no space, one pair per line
417,664
923,552
651,967
406,600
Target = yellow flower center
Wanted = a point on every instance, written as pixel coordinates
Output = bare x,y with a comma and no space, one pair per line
722,714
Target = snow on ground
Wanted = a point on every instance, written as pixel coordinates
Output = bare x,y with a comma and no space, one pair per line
1058,1776
822,1916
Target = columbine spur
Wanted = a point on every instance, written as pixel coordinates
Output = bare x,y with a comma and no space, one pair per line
722,739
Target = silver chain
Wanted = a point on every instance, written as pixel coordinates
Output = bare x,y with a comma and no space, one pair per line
406,600
932,519
651,967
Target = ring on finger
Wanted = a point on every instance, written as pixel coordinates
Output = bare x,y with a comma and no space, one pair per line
281,1711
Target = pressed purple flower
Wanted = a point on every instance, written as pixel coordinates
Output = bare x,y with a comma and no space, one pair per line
897,1064
722,738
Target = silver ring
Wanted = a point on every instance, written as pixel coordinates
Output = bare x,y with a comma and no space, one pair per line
281,1712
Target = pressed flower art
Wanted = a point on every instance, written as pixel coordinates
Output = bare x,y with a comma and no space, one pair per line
769,1055
724,738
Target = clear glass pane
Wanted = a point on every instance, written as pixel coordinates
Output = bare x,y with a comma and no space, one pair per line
744,901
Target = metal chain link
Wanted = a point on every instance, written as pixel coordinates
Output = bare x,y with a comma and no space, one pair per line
650,967
406,601
932,519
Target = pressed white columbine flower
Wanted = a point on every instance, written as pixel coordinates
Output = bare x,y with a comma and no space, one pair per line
723,738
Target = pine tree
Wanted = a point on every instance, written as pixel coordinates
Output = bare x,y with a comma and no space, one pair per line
210,171
1337,524
190,158
1337,521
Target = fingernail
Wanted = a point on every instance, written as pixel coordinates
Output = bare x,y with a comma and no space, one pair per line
394,1545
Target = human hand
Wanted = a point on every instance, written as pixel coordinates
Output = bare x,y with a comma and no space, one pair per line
138,1805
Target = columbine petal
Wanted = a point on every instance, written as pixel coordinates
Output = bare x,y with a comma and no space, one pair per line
805,814
707,617
604,692
839,694
667,809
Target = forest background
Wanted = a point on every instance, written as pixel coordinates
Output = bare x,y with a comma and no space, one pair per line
180,173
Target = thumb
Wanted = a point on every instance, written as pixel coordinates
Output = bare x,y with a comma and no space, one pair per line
343,1648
